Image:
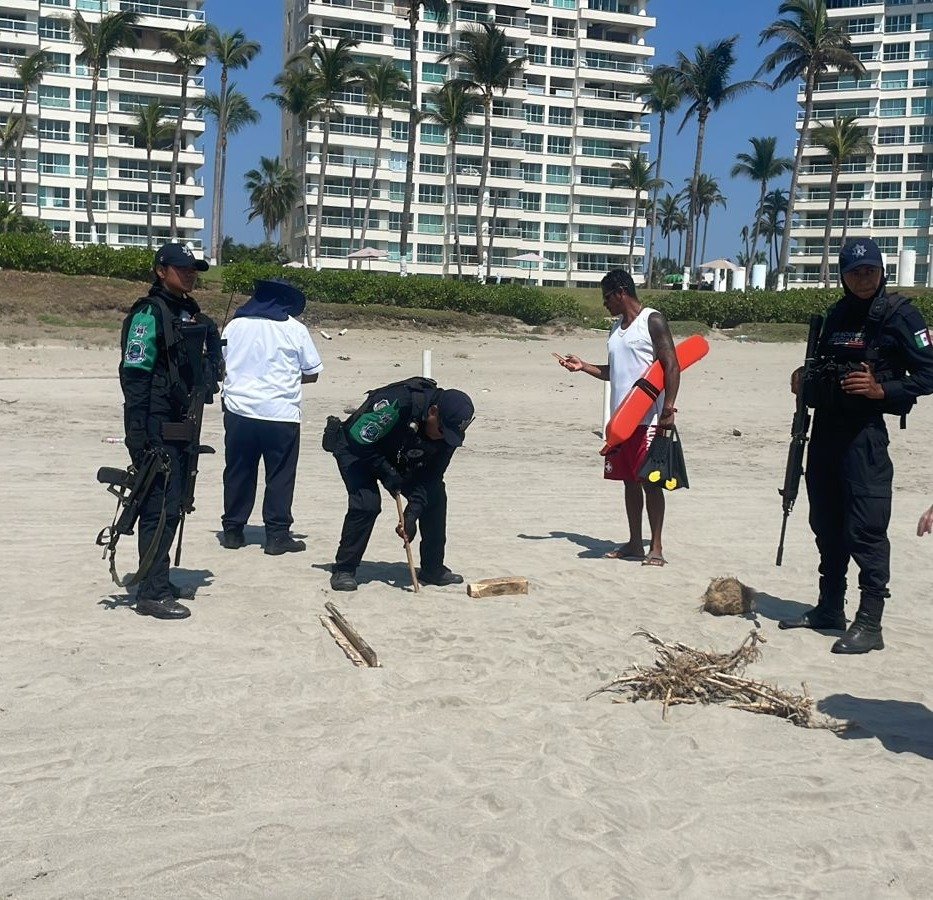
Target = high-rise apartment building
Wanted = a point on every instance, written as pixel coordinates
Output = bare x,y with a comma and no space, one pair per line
55,154
888,191
556,134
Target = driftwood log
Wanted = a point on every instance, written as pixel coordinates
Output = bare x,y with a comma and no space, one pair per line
498,587
336,622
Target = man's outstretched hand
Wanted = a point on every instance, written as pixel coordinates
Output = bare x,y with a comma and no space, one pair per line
571,363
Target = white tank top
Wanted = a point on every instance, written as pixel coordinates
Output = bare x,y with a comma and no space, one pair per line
631,352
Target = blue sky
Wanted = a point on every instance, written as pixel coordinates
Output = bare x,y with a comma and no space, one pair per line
759,114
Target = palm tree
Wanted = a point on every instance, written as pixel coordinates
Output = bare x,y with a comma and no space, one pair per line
704,82
188,47
668,207
149,130
679,227
452,106
636,176
842,140
762,165
438,10
708,196
811,43
233,51
382,80
232,112
487,67
273,192
297,96
662,96
332,71
9,142
115,31
30,71
772,216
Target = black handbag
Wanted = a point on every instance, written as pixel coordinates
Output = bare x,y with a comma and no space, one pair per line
665,464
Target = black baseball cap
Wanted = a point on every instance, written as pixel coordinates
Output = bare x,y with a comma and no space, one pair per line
859,252
455,410
179,256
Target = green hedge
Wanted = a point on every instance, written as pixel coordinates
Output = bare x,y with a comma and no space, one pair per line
40,253
528,304
726,310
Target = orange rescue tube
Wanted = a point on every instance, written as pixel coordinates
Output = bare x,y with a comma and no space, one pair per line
633,409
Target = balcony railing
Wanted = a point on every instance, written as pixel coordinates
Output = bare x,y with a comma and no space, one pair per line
146,8
169,78
18,26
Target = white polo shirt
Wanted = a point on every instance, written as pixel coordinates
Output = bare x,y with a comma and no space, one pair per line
264,362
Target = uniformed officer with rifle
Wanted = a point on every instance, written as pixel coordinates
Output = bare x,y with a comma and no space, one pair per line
403,436
873,357
170,366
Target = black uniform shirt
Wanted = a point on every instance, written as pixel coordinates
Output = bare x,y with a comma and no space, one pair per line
904,363
386,433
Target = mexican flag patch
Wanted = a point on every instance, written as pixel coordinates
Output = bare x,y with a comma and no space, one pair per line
922,337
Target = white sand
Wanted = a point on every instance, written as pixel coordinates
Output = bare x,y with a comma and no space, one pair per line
239,753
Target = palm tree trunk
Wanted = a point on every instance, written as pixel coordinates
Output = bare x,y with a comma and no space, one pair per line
483,173
412,129
492,235
755,230
845,231
694,213
150,198
91,141
448,204
6,179
795,175
372,181
19,152
453,182
352,213
668,243
631,243
680,247
654,203
325,147
176,150
827,230
217,199
705,229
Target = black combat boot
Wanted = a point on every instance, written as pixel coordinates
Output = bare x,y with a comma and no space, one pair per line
441,578
166,608
343,581
233,539
277,544
864,634
823,617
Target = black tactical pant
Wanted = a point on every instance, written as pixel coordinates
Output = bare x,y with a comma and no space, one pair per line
155,585
365,503
849,476
245,442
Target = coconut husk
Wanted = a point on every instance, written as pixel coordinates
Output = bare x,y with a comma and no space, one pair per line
728,597
682,674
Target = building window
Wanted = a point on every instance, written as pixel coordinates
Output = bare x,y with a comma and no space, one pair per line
896,24
916,218
886,218
433,42
432,133
434,73
897,52
554,261
920,162
534,114
889,162
54,130
54,197
556,203
54,164
888,190
558,146
100,200
400,131
428,224
891,135
54,29
534,143
531,171
919,190
921,106
83,100
921,134
558,174
431,164
922,50
894,81
529,231
431,193
563,57
530,202
923,78
894,108
536,54
430,253
54,97
557,115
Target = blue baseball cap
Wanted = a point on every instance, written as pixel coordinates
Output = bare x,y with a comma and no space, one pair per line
455,410
859,252
179,256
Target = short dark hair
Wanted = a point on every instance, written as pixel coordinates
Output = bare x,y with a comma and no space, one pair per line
618,280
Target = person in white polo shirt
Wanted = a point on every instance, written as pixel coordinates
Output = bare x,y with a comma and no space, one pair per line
268,356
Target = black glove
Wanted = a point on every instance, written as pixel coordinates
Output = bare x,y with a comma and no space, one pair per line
410,521
136,441
391,480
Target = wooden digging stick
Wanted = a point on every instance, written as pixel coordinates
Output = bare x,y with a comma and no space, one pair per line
411,562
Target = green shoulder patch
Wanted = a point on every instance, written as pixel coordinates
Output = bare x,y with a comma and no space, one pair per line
374,425
141,347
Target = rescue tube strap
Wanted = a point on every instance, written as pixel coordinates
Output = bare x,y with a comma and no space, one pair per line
648,388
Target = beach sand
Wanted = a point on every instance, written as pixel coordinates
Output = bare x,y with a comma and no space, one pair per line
240,754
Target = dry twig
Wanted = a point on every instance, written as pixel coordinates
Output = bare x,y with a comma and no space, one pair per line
682,674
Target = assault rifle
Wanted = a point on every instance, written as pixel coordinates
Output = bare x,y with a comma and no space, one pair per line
131,486
798,434
189,429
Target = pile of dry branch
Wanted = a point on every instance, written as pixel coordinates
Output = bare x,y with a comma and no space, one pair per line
682,674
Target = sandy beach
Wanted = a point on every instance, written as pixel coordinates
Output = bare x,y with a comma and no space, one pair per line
239,753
